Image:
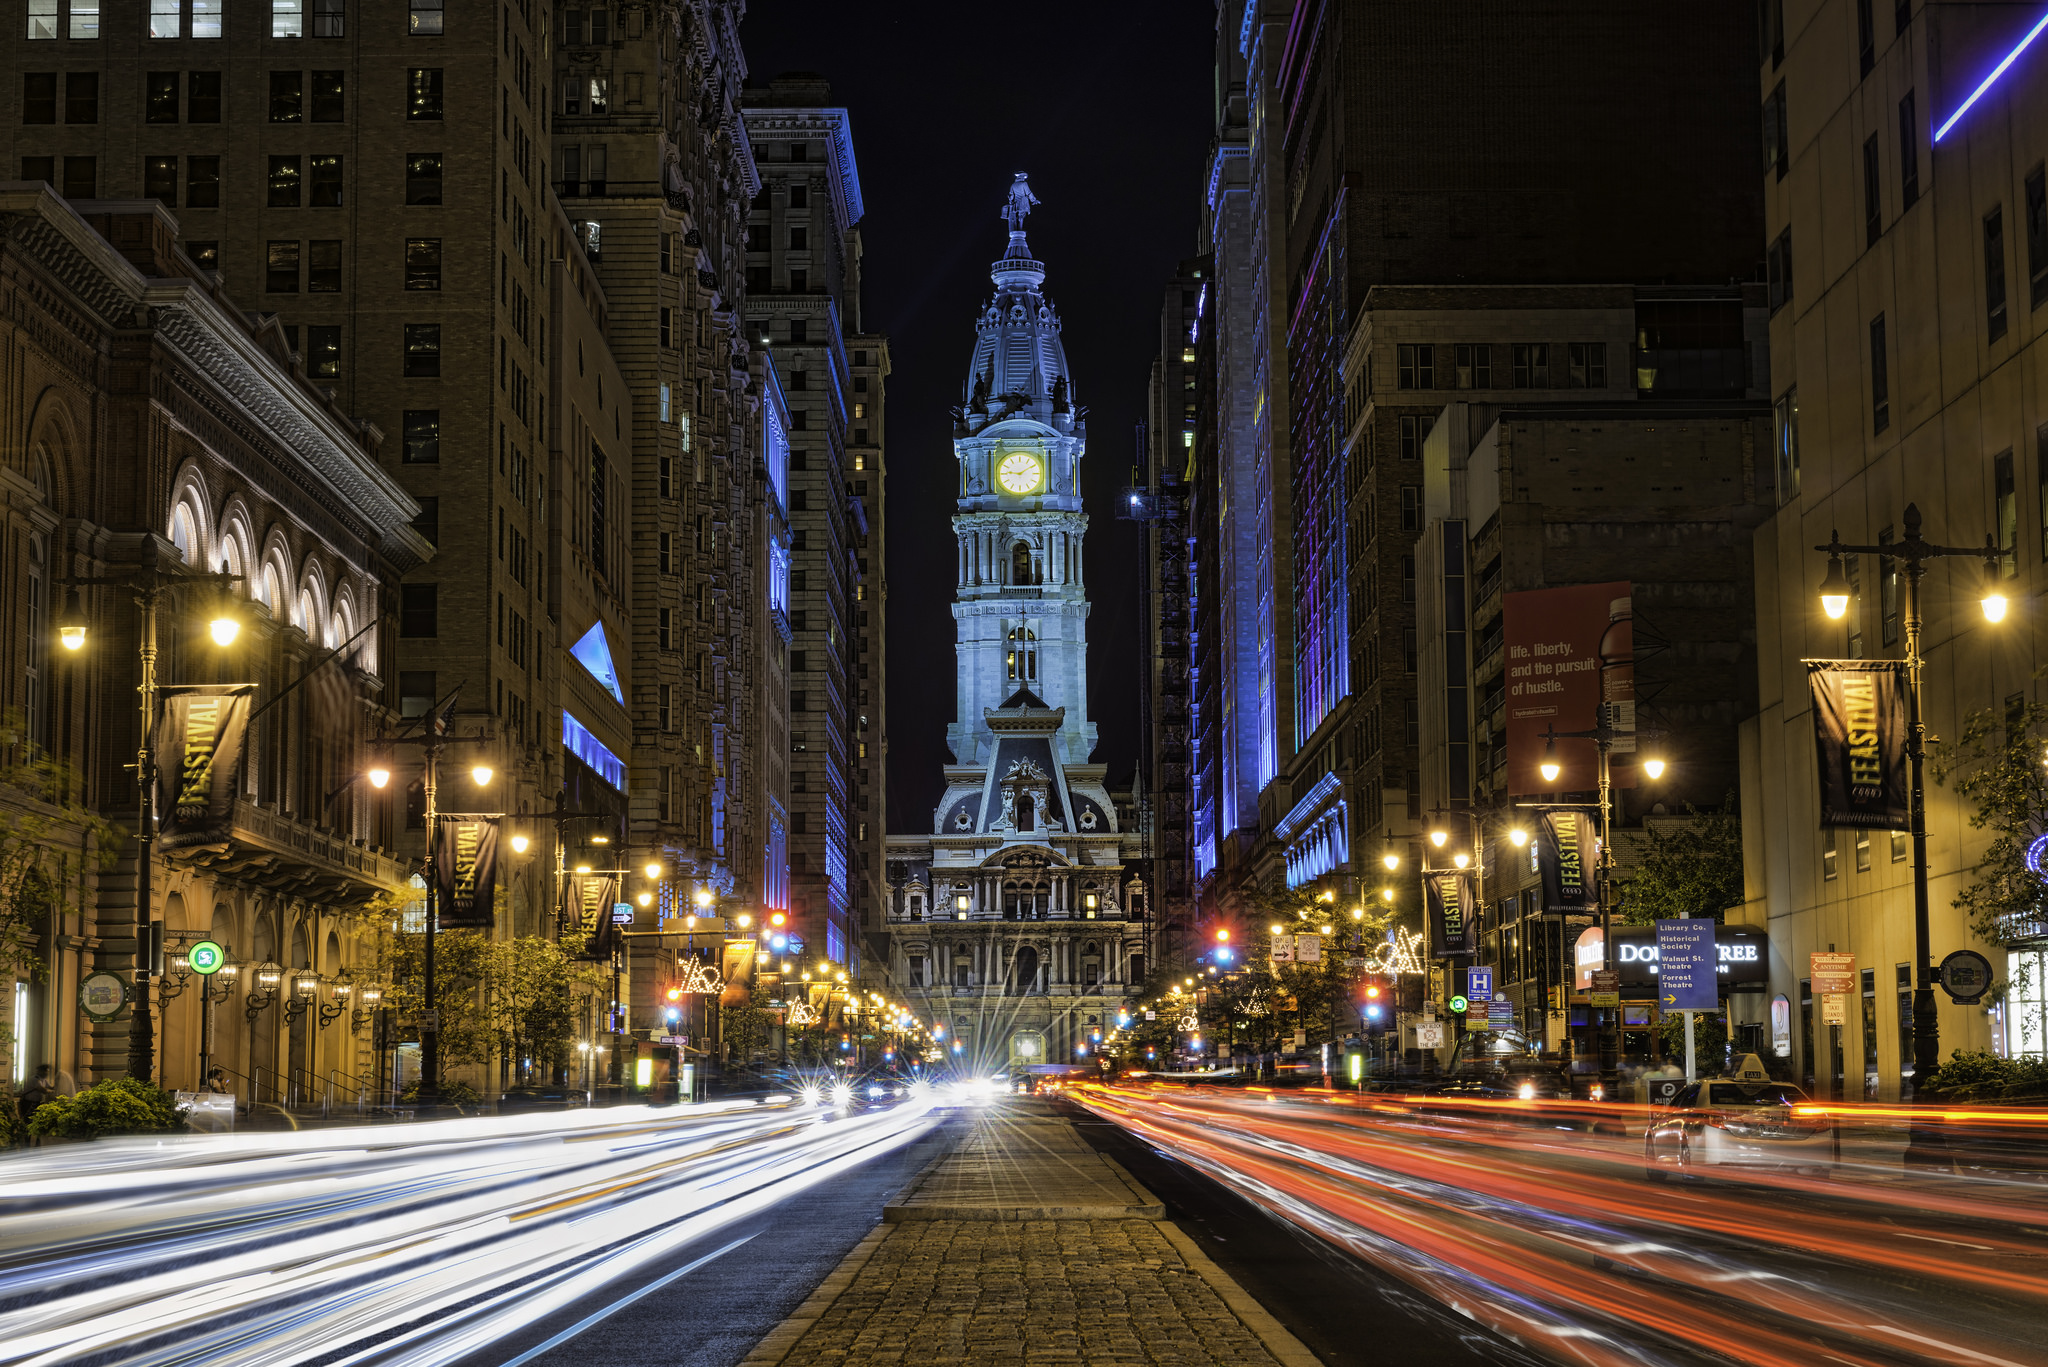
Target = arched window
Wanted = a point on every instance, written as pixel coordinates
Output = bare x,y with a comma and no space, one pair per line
304,619
1024,970
185,534
1023,570
270,589
35,711
1027,814
1013,904
1023,657
1041,901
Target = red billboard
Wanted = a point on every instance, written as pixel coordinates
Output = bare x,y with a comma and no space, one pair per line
1564,647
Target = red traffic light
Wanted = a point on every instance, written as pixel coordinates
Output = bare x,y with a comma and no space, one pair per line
1222,937
675,994
777,919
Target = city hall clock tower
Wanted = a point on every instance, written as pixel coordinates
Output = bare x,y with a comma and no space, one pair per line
1018,435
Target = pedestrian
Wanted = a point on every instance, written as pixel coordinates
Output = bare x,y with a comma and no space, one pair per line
38,1090
217,1082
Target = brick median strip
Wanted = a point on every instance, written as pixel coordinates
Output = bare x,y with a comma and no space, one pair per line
1008,1285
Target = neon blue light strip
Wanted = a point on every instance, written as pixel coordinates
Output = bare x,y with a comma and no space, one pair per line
1996,72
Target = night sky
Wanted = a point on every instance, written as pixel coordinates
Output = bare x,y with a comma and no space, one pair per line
1108,109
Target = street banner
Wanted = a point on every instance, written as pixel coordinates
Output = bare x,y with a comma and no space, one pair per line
1831,972
738,972
1859,730
1686,965
1450,921
1555,641
199,734
466,872
1564,846
591,896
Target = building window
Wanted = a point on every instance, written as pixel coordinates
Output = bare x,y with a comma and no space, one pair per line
42,20
327,103
1994,272
202,96
1866,38
281,268
2005,514
206,16
1415,366
323,266
1475,365
287,96
799,239
664,630
668,334
423,350
600,509
285,178
1880,379
85,19
665,710
327,19
204,255
1829,869
1778,270
600,27
287,18
600,91
324,182
1532,365
81,97
160,180
418,610
1589,365
422,436
81,178
1411,507
423,94
323,351
2037,236
202,183
1786,421
423,263
1909,153
1414,431
423,178
426,18
1777,140
1873,203
159,99
39,98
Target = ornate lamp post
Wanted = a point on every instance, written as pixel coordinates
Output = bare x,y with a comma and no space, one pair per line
151,586
1914,553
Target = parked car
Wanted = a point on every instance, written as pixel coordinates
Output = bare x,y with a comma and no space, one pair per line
1744,1120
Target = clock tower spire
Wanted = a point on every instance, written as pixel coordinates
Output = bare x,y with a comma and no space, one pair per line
1020,603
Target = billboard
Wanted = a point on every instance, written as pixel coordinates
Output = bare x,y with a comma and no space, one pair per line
1554,640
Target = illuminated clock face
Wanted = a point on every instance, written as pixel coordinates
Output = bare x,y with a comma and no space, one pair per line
1019,472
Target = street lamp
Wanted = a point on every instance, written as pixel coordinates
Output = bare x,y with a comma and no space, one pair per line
151,586
1915,552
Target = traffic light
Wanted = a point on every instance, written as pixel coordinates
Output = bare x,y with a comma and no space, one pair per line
1374,1004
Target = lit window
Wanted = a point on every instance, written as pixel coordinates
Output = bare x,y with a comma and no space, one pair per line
85,18
287,18
166,18
42,19
206,18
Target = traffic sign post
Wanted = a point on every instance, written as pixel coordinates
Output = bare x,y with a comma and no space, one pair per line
1686,964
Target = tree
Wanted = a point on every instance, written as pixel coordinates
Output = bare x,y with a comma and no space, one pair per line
1692,871
530,991
1996,766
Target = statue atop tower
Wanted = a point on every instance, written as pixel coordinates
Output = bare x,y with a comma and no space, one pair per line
1020,203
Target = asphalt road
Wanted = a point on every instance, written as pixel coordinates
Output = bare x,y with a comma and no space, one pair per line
1347,1314
713,1316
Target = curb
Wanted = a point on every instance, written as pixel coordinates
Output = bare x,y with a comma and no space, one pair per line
1286,1349
783,1337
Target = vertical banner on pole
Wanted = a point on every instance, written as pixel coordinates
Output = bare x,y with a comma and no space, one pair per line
198,743
467,870
1450,913
1859,732
1564,839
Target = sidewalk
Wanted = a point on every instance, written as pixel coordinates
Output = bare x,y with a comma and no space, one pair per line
1025,1246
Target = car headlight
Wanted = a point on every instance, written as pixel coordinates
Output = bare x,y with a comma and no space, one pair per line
1528,1091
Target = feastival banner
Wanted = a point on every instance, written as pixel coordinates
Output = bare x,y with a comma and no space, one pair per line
593,895
198,743
1450,913
467,872
1564,856
1859,732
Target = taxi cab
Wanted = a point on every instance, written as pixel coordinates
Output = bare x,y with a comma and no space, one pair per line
1743,1120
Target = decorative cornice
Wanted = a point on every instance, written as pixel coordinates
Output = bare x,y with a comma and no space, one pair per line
784,124
1288,826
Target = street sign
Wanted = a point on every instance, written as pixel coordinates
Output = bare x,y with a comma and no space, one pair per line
1500,1013
622,913
1831,972
1429,1035
1834,1008
1479,984
1966,977
102,995
206,958
1606,989
1283,949
1458,1005
430,1020
1308,949
1686,961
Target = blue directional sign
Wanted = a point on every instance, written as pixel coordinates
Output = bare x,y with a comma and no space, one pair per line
1686,961
1479,984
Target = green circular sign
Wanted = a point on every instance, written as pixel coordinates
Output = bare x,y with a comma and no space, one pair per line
206,958
1458,1005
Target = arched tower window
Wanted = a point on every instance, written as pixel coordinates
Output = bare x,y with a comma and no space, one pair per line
185,534
1023,654
1023,570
